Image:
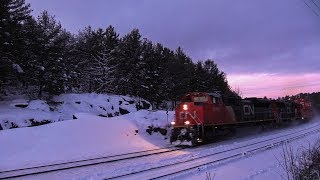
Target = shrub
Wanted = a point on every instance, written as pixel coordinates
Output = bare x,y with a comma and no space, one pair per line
305,164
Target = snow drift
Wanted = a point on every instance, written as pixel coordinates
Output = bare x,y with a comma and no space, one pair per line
87,137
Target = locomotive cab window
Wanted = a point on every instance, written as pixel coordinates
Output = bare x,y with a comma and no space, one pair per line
200,100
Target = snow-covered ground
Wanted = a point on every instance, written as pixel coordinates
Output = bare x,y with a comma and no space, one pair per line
92,136
20,112
88,136
265,165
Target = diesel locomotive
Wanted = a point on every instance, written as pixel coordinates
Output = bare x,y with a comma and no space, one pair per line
201,116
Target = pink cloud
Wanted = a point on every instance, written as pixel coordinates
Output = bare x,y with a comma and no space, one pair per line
274,85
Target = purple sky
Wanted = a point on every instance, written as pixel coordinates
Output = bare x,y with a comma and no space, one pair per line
277,38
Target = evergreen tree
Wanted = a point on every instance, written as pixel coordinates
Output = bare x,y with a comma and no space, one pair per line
130,64
49,65
82,54
181,70
199,78
13,15
93,50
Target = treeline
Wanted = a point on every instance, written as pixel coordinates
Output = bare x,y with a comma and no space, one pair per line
39,52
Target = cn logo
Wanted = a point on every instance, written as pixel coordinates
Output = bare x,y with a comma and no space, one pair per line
248,110
183,115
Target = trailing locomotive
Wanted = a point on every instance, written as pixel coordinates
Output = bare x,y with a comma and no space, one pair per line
201,116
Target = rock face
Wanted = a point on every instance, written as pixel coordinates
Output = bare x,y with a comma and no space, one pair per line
38,123
24,113
123,111
152,129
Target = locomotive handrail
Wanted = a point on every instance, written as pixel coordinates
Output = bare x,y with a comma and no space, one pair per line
197,120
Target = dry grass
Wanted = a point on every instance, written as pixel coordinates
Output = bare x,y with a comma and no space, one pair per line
304,165
209,176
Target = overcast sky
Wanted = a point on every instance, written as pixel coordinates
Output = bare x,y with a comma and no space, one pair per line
272,43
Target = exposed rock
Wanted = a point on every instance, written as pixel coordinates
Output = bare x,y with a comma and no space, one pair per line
38,123
143,105
102,115
13,125
130,102
149,131
21,105
152,129
103,108
123,111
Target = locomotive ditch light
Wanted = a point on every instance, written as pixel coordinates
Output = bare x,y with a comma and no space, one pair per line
185,107
173,123
187,122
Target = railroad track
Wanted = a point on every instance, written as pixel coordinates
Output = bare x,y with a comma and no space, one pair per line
170,169
14,173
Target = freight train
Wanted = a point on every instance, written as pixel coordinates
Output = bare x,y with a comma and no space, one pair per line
201,116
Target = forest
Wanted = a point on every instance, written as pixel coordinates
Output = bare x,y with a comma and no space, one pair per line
42,59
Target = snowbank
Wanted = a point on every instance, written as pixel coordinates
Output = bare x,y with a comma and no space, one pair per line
22,113
88,136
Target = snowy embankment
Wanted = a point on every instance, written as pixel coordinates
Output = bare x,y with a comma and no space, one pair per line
22,113
262,165
88,136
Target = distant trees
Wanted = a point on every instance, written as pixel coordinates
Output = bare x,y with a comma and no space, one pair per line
95,60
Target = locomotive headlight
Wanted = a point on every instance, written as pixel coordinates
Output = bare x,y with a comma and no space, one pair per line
185,107
187,122
173,123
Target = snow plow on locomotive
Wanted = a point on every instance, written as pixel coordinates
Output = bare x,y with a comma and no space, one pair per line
201,116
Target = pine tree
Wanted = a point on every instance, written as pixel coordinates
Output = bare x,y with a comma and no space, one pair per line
198,82
13,15
92,50
216,79
160,80
181,69
130,64
49,65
